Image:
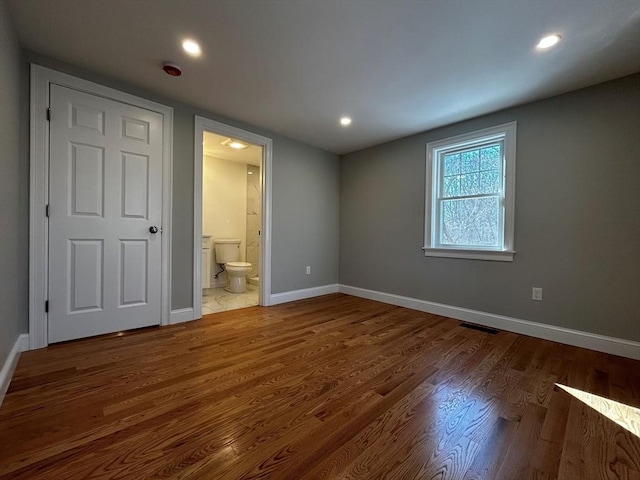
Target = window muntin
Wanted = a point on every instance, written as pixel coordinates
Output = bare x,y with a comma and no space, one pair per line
470,194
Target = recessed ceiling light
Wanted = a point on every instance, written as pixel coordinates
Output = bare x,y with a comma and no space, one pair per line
191,47
548,41
344,121
234,144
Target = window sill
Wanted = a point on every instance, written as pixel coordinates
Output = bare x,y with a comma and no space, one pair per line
497,256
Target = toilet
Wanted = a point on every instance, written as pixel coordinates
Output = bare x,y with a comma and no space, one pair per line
227,251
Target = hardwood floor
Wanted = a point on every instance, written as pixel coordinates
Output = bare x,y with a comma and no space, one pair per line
335,387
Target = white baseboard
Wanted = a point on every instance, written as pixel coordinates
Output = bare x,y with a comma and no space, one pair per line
592,341
284,297
21,344
181,315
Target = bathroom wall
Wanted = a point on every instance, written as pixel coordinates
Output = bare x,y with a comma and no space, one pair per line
224,201
254,195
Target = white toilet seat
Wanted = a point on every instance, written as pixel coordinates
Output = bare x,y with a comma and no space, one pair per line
239,264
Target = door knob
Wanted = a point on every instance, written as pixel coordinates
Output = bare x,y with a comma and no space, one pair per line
153,229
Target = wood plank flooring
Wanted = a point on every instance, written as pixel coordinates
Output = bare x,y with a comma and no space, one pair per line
335,387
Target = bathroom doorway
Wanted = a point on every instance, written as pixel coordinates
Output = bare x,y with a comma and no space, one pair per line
231,218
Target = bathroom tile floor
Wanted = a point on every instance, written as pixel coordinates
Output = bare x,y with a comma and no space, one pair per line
219,300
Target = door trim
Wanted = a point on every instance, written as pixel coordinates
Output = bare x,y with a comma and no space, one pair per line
204,124
41,78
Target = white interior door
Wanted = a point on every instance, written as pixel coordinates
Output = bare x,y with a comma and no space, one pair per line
105,195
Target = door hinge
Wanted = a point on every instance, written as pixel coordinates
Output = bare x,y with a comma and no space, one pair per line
46,306
47,210
49,114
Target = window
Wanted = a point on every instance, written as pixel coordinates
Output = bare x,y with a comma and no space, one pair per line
469,204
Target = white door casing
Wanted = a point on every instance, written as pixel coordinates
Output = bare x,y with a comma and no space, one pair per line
142,268
204,124
104,195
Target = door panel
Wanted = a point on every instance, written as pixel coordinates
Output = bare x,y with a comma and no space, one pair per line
105,192
133,272
135,129
135,174
86,180
87,117
85,275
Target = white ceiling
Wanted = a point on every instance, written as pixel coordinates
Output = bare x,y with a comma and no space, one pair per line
212,145
295,66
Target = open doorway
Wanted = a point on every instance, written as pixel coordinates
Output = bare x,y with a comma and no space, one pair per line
231,218
231,223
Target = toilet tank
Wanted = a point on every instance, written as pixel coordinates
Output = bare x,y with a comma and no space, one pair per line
227,250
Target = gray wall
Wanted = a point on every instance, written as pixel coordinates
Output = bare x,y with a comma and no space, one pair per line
14,191
309,173
577,230
290,246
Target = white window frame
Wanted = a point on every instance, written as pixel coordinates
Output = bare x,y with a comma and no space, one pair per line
505,133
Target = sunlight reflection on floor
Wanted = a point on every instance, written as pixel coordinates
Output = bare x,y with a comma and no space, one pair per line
624,415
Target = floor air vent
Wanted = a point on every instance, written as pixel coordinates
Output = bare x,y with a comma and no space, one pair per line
479,328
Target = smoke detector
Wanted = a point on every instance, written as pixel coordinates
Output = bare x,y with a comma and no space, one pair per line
172,69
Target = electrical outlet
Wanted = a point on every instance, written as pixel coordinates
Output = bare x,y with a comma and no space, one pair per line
308,270
536,293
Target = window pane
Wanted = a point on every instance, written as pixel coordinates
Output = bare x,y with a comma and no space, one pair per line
451,164
469,184
490,157
470,222
490,182
470,161
451,187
